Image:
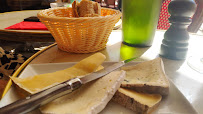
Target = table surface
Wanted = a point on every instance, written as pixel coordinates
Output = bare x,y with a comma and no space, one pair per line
187,80
10,18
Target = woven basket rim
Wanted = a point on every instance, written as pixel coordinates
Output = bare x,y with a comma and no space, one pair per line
41,15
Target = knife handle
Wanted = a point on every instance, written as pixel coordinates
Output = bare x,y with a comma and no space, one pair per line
36,100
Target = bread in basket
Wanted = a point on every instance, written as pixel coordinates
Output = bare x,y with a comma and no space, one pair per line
79,35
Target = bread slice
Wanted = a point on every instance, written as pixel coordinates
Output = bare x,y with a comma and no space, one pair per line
91,98
86,8
139,102
97,8
147,77
75,8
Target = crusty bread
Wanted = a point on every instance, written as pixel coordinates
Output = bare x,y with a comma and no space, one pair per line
86,8
97,8
140,103
147,77
91,98
75,8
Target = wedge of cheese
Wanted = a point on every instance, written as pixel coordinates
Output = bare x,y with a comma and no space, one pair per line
40,82
91,98
141,103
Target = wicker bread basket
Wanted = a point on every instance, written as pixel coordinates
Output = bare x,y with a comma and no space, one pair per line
79,35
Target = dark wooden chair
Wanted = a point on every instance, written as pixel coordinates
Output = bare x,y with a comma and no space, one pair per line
16,5
110,3
119,5
3,6
99,1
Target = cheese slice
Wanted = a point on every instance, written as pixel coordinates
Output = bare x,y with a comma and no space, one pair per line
146,99
40,82
91,98
141,103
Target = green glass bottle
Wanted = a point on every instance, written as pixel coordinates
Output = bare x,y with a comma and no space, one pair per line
139,21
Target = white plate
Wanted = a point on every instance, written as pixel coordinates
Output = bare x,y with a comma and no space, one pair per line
174,103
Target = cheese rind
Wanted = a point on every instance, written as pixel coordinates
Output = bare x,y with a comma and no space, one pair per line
91,98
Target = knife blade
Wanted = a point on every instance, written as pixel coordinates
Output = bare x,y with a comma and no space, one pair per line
105,71
41,98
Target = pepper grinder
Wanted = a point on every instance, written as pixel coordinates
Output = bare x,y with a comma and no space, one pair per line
175,43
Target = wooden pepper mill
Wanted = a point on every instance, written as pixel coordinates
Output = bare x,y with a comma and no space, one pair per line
175,43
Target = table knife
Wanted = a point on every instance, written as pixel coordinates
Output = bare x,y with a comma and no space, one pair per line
41,98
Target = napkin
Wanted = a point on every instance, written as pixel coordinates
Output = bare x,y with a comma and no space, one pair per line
28,25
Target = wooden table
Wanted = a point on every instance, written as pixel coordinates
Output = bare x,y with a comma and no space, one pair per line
11,18
24,39
187,80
